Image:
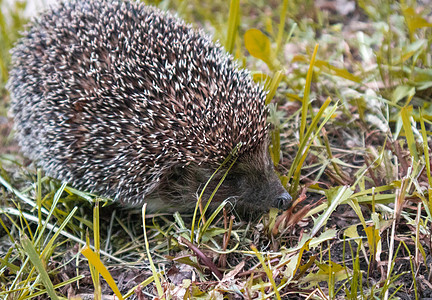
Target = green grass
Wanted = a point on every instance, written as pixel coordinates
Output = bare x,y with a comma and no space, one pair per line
350,107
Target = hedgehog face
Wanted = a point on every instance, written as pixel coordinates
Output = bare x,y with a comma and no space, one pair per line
256,184
258,189
252,185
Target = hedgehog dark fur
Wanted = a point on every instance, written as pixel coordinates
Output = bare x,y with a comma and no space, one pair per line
129,102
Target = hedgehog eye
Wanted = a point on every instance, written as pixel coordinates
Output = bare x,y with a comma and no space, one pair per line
231,177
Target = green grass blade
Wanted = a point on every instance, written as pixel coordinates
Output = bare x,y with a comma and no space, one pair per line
273,85
306,143
211,219
152,266
406,115
267,270
305,102
20,195
425,148
343,194
37,263
15,212
50,213
233,152
96,237
215,190
281,28
58,231
57,286
233,23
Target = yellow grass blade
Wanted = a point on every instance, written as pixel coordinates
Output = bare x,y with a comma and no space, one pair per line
93,259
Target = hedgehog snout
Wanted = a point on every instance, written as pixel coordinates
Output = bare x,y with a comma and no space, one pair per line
283,201
263,190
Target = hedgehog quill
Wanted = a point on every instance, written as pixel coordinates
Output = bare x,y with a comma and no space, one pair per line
130,102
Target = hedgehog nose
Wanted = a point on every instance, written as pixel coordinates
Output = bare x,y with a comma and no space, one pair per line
283,201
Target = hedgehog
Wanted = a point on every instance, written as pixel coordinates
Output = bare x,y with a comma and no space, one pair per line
131,103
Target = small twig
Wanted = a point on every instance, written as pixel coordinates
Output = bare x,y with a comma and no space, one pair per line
370,171
202,211
222,258
226,237
398,151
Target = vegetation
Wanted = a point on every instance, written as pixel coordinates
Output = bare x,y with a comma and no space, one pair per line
350,94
